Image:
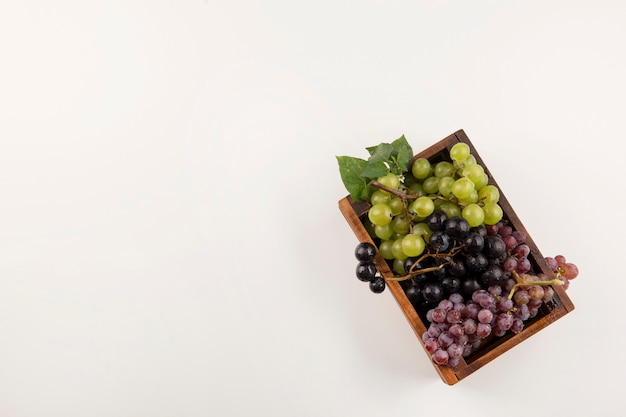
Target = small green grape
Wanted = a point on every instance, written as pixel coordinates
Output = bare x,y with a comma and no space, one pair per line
460,151
481,182
489,194
450,209
474,172
443,169
462,188
396,205
398,267
423,206
421,168
445,186
401,224
472,198
390,180
380,196
493,213
396,249
422,229
385,249
383,232
431,185
380,214
413,245
474,214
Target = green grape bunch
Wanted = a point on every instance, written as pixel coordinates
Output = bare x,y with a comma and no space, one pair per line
404,191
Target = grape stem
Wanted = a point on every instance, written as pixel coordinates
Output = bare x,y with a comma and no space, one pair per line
522,283
403,196
415,272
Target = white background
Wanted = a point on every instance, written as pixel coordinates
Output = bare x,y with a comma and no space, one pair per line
170,242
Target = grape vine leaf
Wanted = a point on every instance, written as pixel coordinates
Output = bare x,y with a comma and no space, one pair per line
356,173
350,169
375,169
403,153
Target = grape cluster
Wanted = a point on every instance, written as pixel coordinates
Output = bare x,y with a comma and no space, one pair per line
566,271
366,270
458,325
407,210
462,259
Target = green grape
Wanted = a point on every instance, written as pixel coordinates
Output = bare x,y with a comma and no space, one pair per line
417,188
462,188
383,232
431,185
489,194
482,182
397,235
380,196
422,229
474,214
459,152
472,198
421,168
385,249
443,169
401,224
390,180
445,186
413,245
396,250
474,172
398,267
470,160
423,206
493,213
450,209
396,205
380,214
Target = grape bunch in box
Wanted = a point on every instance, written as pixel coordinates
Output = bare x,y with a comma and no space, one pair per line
436,229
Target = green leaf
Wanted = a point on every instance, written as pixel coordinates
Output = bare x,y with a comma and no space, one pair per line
350,169
366,193
374,170
381,152
403,153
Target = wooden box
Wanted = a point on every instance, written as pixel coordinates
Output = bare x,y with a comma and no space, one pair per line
561,304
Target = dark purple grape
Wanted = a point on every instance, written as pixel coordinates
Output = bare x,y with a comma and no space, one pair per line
469,285
377,285
493,275
481,230
414,294
456,267
494,247
439,241
437,220
451,284
432,292
457,227
408,264
366,271
476,263
365,252
473,243
441,272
